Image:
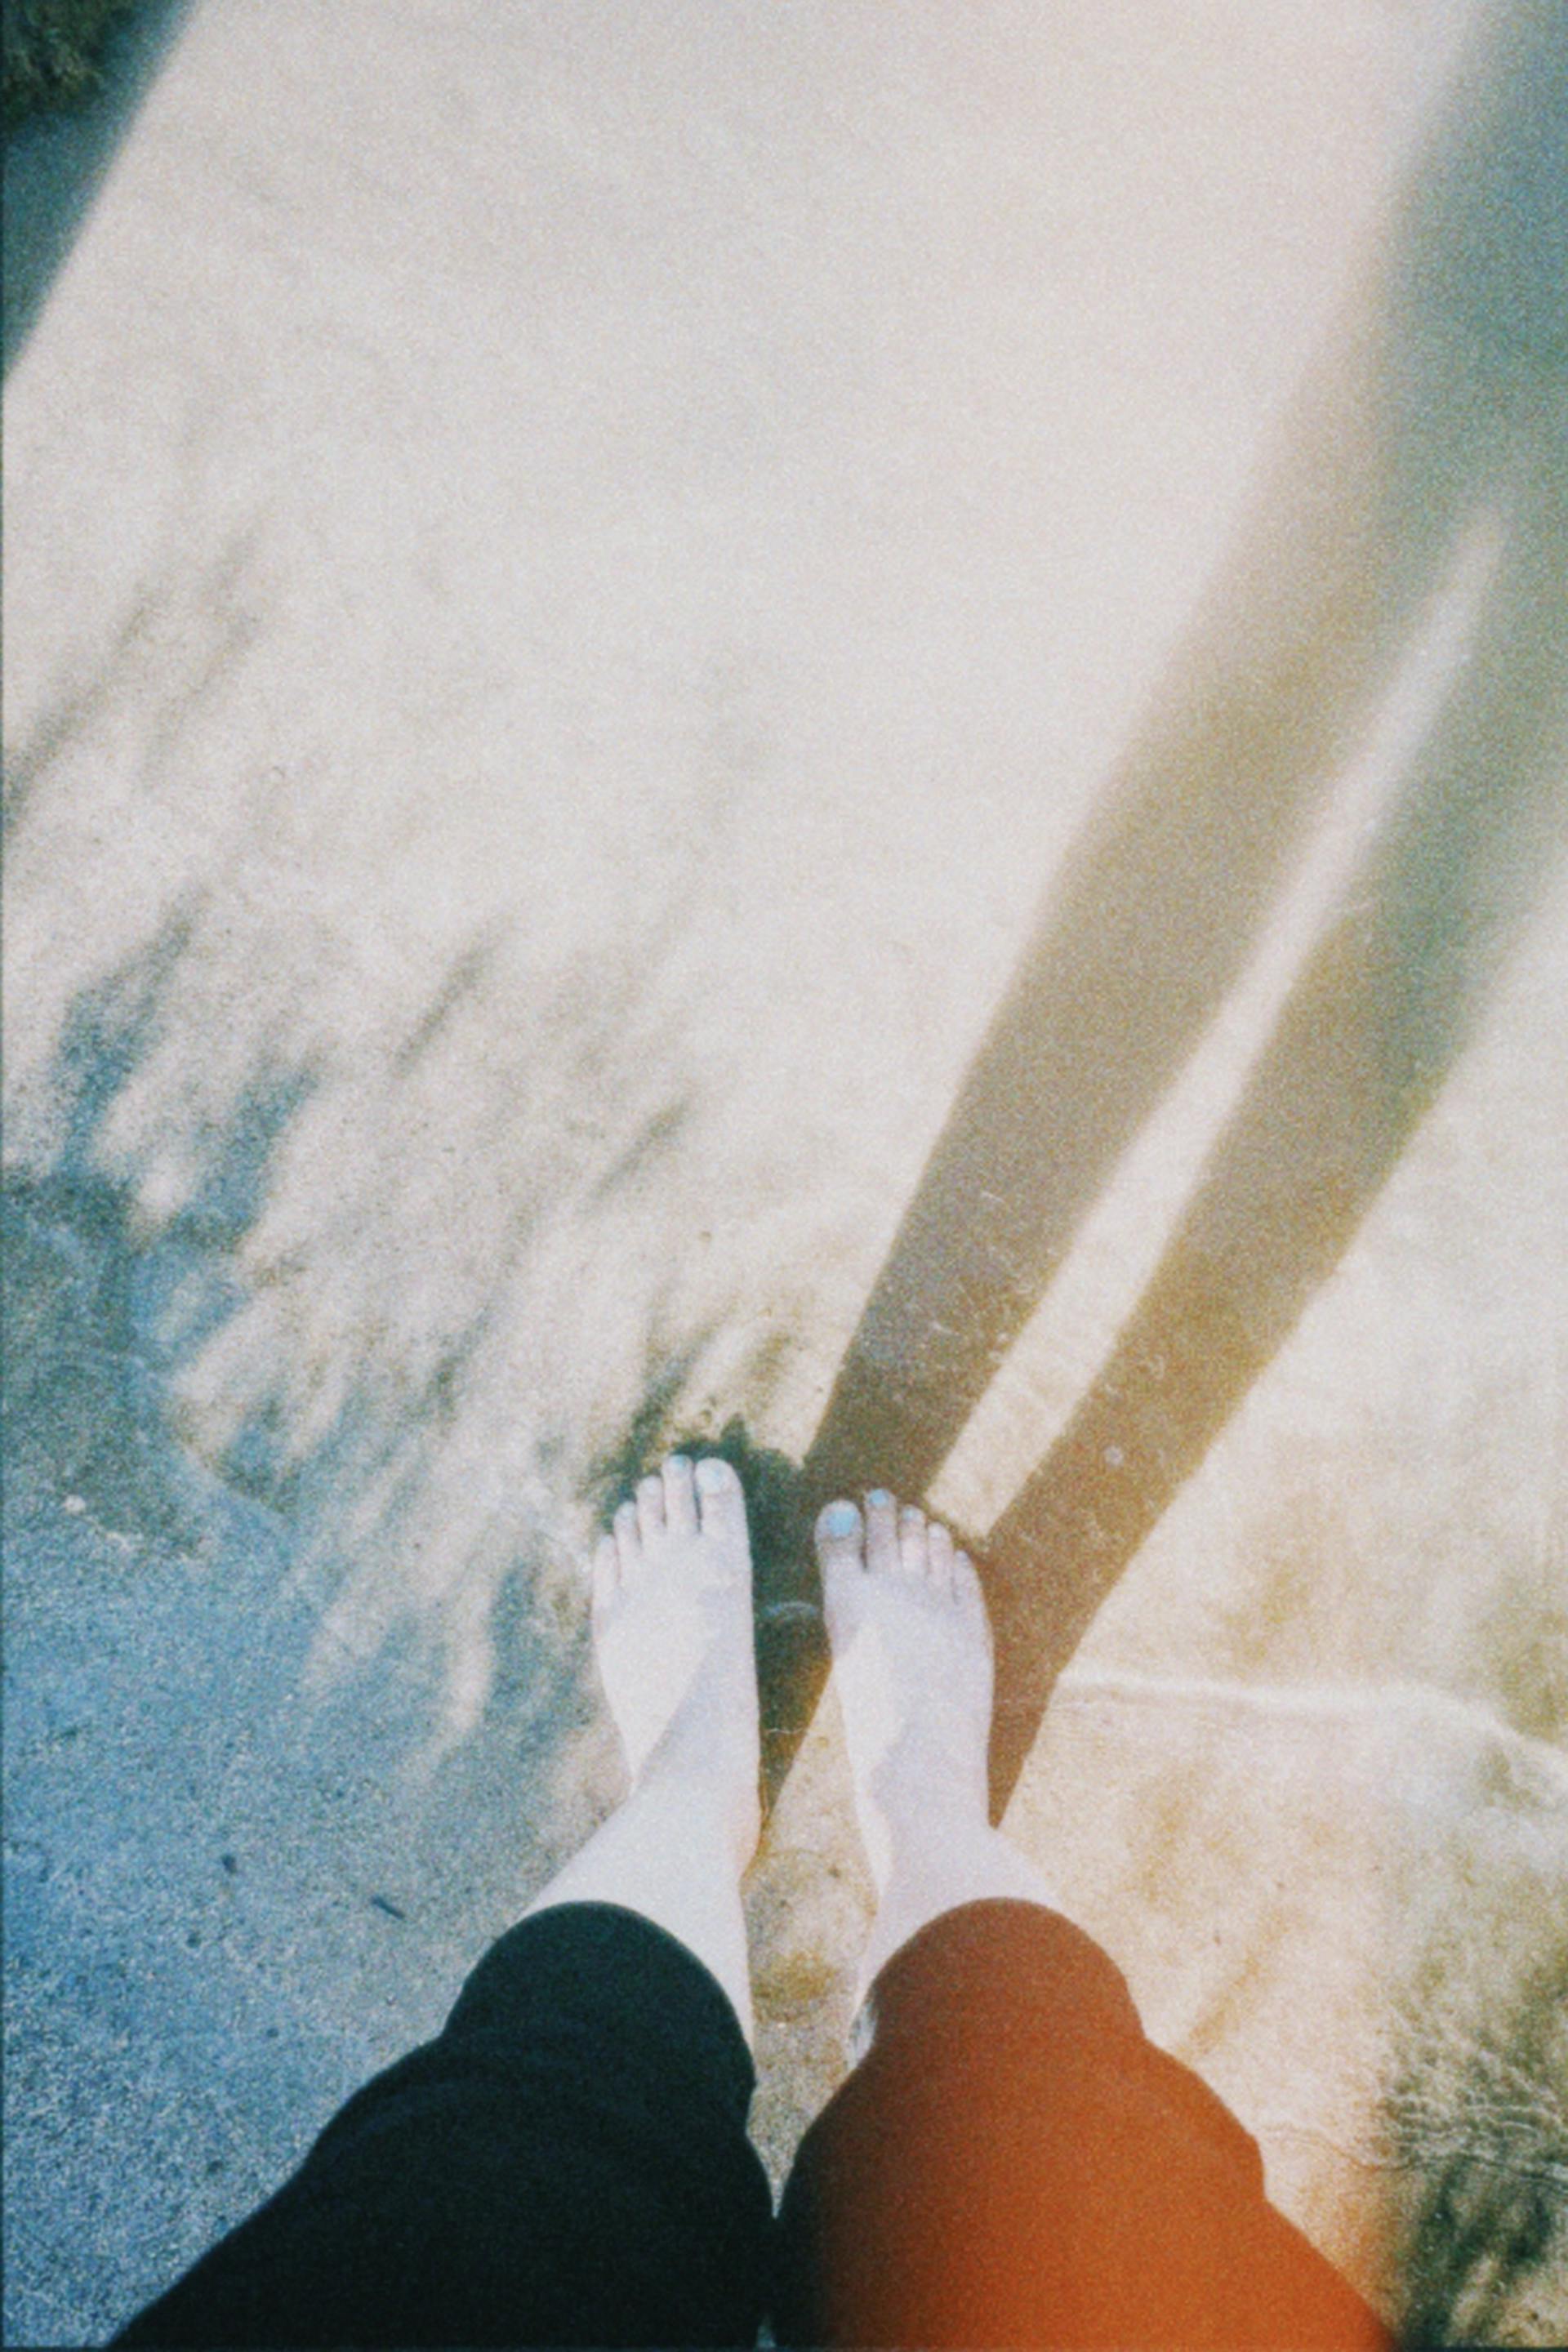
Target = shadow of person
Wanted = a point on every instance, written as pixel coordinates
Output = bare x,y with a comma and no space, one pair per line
1438,405
1366,1036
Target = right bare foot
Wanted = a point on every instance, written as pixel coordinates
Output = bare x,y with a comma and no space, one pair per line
912,1658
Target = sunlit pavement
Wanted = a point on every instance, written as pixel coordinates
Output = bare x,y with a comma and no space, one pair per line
579,580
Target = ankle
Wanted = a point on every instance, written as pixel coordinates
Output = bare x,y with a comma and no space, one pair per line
920,1833
720,1799
920,1782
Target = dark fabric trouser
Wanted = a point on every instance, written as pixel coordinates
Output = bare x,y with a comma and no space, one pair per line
568,2163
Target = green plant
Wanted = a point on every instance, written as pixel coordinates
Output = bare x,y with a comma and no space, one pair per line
53,53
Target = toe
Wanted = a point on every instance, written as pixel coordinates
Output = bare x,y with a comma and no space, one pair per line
720,1503
628,1542
967,1592
882,1533
679,1496
650,1505
606,1576
912,1555
938,1546
839,1533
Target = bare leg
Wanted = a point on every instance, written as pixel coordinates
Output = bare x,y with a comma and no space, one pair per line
672,1634
911,1660
1012,2161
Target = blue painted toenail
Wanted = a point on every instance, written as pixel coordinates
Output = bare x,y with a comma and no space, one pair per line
880,1497
841,1519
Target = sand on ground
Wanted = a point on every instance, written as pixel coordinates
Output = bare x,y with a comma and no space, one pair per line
579,579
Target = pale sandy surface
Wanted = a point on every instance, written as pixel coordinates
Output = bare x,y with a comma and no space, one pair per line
572,574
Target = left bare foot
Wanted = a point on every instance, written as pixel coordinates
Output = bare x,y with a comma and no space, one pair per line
672,1634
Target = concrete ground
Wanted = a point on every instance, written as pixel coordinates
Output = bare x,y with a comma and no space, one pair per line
591,590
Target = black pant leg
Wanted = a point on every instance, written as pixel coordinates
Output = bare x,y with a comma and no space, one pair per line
566,2163
1014,2163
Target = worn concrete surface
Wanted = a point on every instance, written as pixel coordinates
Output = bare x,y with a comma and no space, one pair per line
573,575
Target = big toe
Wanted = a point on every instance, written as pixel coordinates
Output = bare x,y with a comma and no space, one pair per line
679,1496
721,1501
840,1536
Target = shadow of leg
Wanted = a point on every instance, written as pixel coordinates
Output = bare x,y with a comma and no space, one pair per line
1367,1036
1157,907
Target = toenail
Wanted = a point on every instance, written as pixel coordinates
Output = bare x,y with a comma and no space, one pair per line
879,1498
679,1461
713,1472
841,1519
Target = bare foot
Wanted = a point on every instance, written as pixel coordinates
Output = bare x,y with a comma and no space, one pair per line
911,1657
672,1634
